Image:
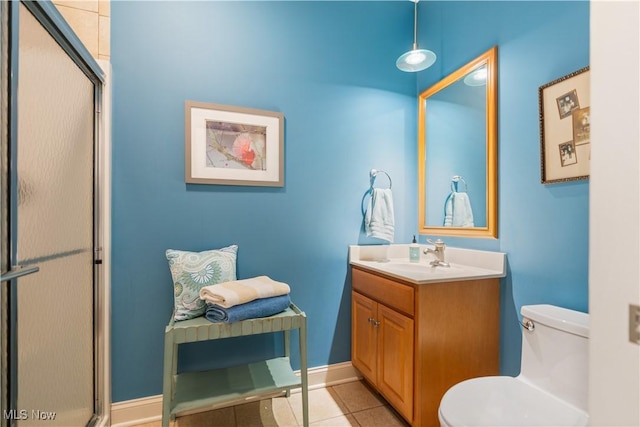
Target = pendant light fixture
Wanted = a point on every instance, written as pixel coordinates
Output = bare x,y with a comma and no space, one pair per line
477,77
415,59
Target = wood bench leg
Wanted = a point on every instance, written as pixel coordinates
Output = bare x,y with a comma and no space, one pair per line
303,373
170,369
287,353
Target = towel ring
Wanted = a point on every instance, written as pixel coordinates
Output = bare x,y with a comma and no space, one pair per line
455,180
372,177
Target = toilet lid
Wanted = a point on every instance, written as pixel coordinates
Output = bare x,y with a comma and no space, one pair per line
505,401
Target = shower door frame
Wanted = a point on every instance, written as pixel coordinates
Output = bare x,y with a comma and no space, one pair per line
53,22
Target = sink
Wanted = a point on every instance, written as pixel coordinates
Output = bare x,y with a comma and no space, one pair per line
420,267
392,260
420,272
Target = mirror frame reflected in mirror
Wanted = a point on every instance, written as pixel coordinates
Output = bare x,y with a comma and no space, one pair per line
489,59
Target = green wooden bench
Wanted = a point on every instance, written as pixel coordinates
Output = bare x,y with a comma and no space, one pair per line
188,391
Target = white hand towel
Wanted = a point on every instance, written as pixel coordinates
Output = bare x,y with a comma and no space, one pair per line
457,210
448,211
379,219
229,294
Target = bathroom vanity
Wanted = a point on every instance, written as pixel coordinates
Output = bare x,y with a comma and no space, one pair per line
417,330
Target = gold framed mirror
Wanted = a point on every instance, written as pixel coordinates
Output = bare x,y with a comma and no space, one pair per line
458,150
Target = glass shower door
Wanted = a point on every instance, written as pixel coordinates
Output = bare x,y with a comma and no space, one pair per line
54,226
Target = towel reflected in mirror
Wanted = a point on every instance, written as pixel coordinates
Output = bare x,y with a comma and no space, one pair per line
457,210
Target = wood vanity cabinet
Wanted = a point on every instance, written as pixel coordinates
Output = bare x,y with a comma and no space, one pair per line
382,350
413,342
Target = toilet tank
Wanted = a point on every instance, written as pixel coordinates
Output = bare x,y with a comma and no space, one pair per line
555,354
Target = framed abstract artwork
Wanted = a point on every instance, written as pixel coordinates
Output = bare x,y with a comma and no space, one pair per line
229,145
565,149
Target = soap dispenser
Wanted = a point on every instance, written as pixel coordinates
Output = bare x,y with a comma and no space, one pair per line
414,251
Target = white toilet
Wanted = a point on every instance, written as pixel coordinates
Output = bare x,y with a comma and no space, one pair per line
551,389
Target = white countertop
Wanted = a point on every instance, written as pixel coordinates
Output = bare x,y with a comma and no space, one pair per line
393,260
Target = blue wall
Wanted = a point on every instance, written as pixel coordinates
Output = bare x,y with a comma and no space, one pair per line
330,68
542,228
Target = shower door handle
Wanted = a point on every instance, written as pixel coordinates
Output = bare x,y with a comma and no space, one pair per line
18,271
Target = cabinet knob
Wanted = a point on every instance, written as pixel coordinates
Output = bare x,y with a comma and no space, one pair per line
373,321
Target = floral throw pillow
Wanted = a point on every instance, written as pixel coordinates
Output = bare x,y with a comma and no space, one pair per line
191,271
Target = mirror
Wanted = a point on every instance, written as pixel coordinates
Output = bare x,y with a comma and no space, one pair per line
457,152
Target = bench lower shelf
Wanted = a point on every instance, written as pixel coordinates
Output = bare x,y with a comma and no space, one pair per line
209,388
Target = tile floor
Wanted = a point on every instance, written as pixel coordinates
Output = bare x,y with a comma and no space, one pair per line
349,404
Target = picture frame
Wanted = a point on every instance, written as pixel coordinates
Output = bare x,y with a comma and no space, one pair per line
565,149
228,145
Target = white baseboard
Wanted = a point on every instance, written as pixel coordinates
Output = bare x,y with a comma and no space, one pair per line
149,409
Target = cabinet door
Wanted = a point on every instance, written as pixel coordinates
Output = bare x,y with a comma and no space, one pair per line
363,337
395,359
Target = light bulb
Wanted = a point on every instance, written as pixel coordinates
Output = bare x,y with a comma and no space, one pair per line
480,75
477,77
415,57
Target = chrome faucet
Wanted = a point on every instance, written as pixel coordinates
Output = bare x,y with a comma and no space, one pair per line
438,253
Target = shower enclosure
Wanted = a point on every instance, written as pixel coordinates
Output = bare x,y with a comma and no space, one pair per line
51,263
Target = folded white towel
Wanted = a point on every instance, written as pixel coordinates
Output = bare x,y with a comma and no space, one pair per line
229,294
457,210
379,220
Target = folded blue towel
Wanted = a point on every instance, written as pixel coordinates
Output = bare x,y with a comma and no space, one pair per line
379,220
262,307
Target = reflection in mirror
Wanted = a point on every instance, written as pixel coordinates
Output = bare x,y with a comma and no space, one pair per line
457,152
456,117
